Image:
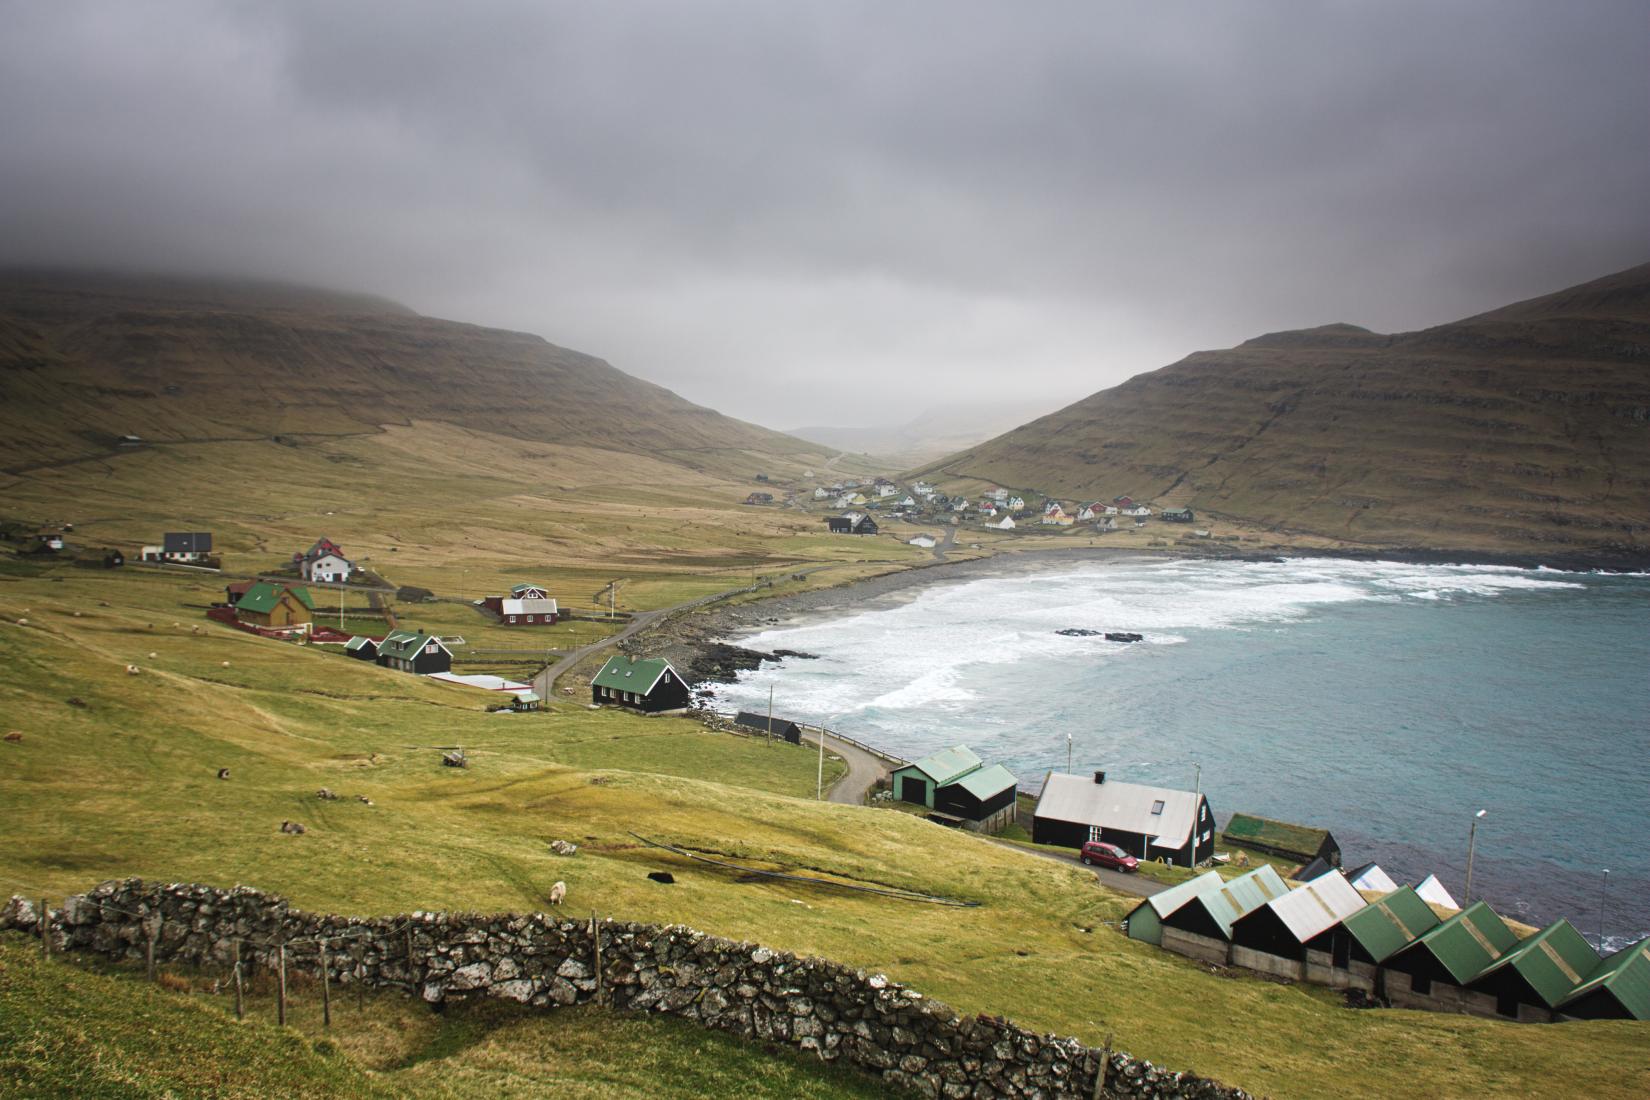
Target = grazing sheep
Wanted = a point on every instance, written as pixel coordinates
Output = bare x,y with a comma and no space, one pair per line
132,670
292,827
363,799
77,614
152,656
22,622
226,664
223,773
557,892
14,736
326,795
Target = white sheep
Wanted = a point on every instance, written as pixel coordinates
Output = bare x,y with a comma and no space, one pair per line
131,670
557,892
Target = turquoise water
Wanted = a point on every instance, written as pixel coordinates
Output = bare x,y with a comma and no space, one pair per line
1388,702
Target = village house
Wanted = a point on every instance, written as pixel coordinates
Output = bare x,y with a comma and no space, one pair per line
1088,513
999,495
1004,524
759,498
650,685
821,493
782,728
362,648
48,542
1177,515
181,547
275,605
526,605
414,651
1139,511
1302,843
113,559
1123,502
1016,503
926,542
959,788
324,563
853,523
1147,822
1055,516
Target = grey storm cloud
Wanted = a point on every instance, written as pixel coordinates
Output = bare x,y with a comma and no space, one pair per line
848,212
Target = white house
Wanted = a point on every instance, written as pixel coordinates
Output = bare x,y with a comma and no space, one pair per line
908,502
925,541
1137,510
1016,503
887,490
1004,524
329,568
1055,516
998,495
1088,513
821,493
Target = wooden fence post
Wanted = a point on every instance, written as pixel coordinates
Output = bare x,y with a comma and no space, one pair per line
240,1009
45,930
1104,1071
326,988
280,987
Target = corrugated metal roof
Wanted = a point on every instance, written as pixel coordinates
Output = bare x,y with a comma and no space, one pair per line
360,641
1433,890
987,782
263,597
947,765
1317,906
405,644
633,674
1389,925
512,606
1553,961
1243,895
1117,805
1626,974
1470,942
1371,877
1167,901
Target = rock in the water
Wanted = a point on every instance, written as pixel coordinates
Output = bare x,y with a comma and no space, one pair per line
1077,632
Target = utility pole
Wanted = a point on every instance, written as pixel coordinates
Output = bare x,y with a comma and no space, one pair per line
770,716
1197,816
1068,754
1472,838
819,793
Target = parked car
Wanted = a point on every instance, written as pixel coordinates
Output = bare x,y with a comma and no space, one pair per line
1108,855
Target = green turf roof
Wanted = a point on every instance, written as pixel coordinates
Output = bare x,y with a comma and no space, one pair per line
1553,962
1626,974
1470,942
947,765
1301,840
263,596
631,674
986,782
1391,924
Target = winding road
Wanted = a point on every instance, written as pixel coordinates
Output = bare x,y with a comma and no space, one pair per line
864,769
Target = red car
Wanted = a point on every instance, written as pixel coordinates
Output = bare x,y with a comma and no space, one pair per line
1108,855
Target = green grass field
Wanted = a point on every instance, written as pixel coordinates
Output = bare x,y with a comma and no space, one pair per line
125,785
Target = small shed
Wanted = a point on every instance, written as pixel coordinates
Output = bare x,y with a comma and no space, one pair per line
1145,921
983,800
1455,951
113,559
1540,973
782,728
414,651
1306,918
1618,990
1383,928
362,648
1177,515
644,684
1302,843
275,605
1202,927
917,782
526,701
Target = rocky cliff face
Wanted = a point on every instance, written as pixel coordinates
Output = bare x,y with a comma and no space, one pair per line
1525,430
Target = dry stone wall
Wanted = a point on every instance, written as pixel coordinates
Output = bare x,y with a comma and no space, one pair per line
836,1012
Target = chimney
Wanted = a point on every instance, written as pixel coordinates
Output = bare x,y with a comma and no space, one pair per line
1099,777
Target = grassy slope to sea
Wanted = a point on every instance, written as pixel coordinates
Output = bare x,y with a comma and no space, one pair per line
123,783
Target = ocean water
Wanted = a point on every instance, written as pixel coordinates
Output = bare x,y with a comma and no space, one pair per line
1388,702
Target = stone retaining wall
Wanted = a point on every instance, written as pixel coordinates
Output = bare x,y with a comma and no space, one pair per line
834,1011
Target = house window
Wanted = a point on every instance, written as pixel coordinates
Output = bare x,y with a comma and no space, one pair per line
1157,807
1094,832
512,618
431,648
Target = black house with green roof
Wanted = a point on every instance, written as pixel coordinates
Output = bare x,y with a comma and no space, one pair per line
649,685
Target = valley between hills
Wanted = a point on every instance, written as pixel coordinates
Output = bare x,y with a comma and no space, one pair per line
460,460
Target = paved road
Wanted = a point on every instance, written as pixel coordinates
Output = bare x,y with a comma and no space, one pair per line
946,543
1121,881
864,769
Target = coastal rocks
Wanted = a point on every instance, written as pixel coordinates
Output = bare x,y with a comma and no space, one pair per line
721,663
910,1044
1078,632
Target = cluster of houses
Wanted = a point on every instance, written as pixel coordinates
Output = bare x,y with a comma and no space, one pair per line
998,508
1356,930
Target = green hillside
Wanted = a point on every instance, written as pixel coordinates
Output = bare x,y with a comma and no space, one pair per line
1522,431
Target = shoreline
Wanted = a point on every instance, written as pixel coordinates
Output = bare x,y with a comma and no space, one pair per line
703,645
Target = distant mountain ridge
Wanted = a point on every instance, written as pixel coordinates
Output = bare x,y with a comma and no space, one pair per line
1522,430
85,359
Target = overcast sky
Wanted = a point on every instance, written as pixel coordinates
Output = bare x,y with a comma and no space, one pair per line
841,212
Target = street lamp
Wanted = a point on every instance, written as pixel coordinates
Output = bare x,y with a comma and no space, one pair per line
1068,754
1472,837
1603,894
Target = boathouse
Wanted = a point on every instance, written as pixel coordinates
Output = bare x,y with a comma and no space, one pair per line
1618,990
782,728
1301,843
1201,928
1306,919
1145,921
1533,979
1147,822
1433,972
959,788
649,685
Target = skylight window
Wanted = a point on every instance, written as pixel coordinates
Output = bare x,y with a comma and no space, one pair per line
1157,807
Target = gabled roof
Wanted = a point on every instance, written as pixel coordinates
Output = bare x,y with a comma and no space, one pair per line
510,606
1371,877
324,545
1316,869
517,589
987,782
1433,890
406,644
749,719
1318,906
1118,805
1626,975
1468,943
1301,840
1241,896
360,641
1385,927
187,542
1167,901
633,674
947,765
263,596
1552,962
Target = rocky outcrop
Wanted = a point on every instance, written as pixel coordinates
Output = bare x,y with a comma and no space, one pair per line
836,1012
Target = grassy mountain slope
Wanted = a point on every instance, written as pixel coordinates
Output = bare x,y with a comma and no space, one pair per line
84,359
1525,430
